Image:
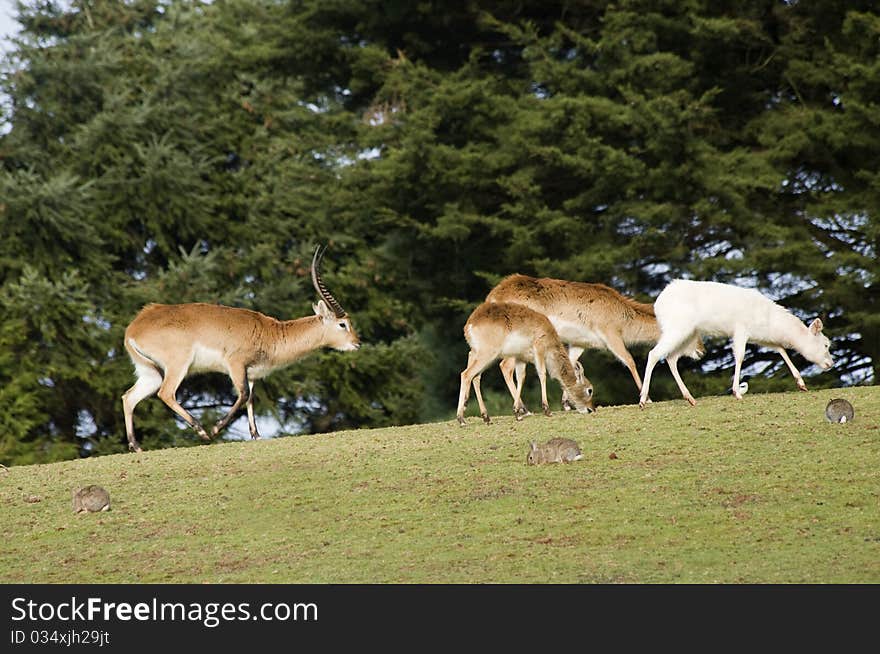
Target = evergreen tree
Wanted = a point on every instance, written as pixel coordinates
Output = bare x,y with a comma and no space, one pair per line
198,151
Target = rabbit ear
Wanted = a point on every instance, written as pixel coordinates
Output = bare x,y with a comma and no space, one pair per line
533,445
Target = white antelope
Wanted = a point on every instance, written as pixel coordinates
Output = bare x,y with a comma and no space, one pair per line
686,309
585,316
169,342
496,330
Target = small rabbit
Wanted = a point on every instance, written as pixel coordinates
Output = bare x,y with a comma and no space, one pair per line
839,411
90,499
556,450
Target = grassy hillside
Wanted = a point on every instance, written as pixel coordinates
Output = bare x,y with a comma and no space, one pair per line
762,490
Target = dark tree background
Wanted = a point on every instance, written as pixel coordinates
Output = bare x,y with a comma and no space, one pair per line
179,151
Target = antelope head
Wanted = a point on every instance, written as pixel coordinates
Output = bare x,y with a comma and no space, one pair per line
339,333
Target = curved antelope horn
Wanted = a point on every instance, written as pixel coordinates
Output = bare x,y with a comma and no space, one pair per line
319,284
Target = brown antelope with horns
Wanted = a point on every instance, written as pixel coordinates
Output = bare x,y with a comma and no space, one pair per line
496,330
169,342
585,316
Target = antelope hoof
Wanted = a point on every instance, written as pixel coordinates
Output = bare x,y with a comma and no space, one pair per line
566,405
521,412
737,395
801,385
200,430
691,401
134,447
461,421
485,417
547,411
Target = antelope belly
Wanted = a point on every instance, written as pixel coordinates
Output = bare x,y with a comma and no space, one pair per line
206,359
517,344
576,333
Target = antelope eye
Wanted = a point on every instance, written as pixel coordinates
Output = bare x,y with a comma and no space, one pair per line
342,325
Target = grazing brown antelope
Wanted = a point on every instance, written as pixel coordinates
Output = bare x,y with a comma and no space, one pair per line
169,342
585,316
496,330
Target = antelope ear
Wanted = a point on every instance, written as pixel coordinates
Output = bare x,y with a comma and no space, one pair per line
816,326
322,310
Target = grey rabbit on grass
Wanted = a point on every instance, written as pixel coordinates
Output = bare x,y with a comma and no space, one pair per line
839,411
90,499
556,450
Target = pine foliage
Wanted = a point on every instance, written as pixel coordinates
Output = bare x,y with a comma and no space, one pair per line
197,151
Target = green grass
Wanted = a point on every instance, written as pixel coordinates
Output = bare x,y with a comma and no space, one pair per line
763,491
